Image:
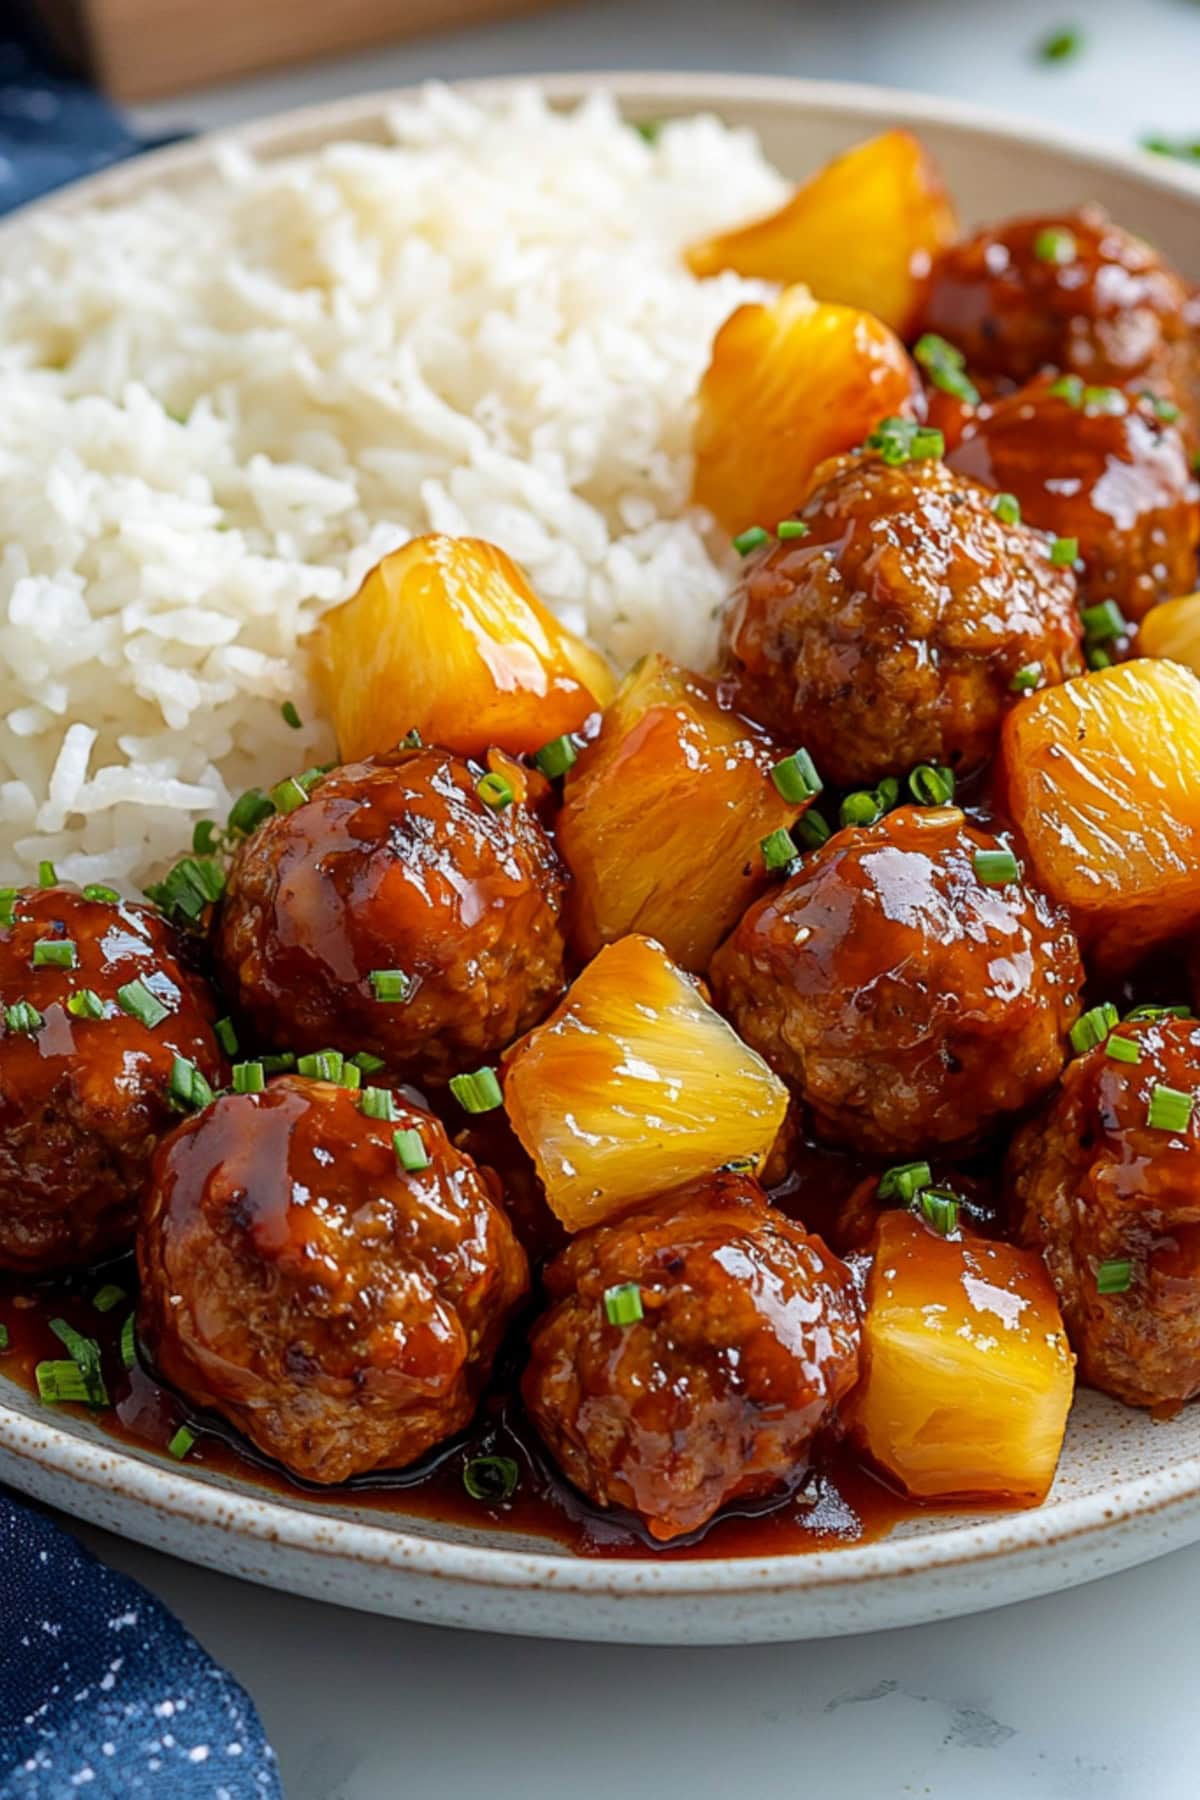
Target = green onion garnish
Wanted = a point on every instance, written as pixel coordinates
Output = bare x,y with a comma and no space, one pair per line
860,808
1007,509
411,1153
1169,1110
1093,1027
1097,658
904,1182
249,1078
945,366
64,1383
995,867
54,953
789,529
249,810
751,539
1055,244
23,1017
288,796
1026,678
107,1297
1160,1012
813,830
206,839
185,891
129,1342
1103,622
8,906
491,1479
96,890
412,740
778,850
1166,410
1068,388
322,1065
377,1103
47,876
478,1092
495,791
796,777
187,1089
351,1075
390,986
623,1303
226,1036
1063,551
939,1209
1114,1276
931,787
366,1062
903,440
136,999
1060,46
3,1339
1123,1050
1101,400
556,757
291,716
181,1443
85,1354
278,1062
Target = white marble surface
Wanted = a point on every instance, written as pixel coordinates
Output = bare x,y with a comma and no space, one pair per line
1091,1694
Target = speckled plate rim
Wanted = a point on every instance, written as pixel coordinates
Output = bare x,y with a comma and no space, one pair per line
1138,1518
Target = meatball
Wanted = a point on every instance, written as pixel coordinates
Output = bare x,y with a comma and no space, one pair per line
908,994
1071,292
745,1339
97,1008
1110,1192
396,868
1100,466
341,1310
890,634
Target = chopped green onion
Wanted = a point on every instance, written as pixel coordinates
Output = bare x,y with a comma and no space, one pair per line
788,530
3,1339
412,740
796,777
1102,400
491,1479
23,1017
249,1078
649,130
288,796
129,1342
136,999
1068,388
181,1443
1007,509
226,1035
411,1153
1093,1027
939,1209
996,867
945,366
322,1065
1063,552
1186,148
1169,1110
778,850
751,539
813,830
495,791
1114,1276
1163,409
185,891
206,839
366,1062
1160,1012
1055,244
860,808
64,1383
351,1075
1060,46
1026,678
377,1103
1123,1050
85,1354
8,906
888,792
904,1182
556,757
187,1089
47,875
279,1062
1096,657
54,953
478,1092
931,787
1104,622
291,716
903,440
107,1297
623,1303
249,810
96,890
390,986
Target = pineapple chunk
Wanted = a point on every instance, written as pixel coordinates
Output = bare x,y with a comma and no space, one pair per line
634,1086
1172,629
664,816
1100,775
864,230
446,636
967,1374
789,384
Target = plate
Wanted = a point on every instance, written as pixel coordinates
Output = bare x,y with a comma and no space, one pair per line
1128,1489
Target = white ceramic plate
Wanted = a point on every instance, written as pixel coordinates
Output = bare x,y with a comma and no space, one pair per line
1127,1490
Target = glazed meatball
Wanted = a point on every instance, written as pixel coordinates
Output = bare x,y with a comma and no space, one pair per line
907,996
341,1310
397,865
97,1007
1100,466
1071,292
746,1341
891,633
1110,1192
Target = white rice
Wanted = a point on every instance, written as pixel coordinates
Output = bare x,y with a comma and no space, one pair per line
216,413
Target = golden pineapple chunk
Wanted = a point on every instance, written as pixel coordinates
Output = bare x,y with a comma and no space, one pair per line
634,1086
967,1374
1101,777
789,384
1172,629
446,636
864,230
665,814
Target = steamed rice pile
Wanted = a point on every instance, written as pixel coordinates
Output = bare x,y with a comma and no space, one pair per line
216,413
